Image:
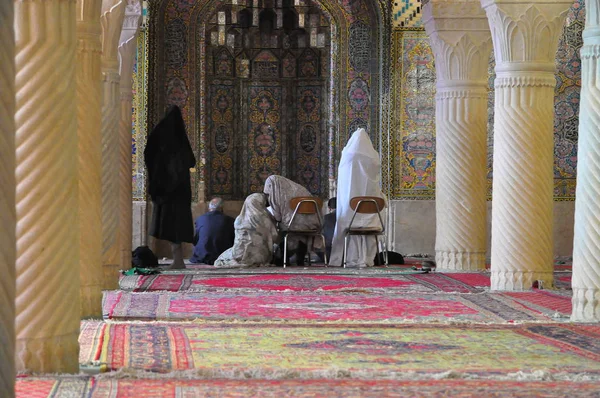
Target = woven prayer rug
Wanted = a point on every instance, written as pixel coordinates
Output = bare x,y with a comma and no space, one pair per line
90,340
64,386
177,388
269,282
291,306
275,350
545,301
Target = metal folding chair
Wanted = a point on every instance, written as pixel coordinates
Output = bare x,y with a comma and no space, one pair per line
367,205
304,205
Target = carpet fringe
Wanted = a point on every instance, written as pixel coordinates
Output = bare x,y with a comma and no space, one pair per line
337,373
339,322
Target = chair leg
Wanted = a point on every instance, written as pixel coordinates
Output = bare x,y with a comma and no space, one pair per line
385,252
345,249
285,251
377,245
325,250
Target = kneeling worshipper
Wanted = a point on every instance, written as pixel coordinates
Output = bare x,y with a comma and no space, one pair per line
213,235
359,174
255,234
169,157
281,191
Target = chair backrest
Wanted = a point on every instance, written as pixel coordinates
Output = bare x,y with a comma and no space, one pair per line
306,204
367,204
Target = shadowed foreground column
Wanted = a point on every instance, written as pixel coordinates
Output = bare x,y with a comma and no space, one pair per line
586,246
112,23
89,116
47,303
8,245
525,36
461,41
127,50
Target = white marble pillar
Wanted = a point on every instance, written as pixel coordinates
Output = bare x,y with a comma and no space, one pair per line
111,20
89,116
462,44
47,304
127,50
586,246
8,245
525,36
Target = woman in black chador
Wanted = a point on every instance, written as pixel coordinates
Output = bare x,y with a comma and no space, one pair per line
169,157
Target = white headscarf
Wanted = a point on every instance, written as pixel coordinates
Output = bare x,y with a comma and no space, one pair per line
359,174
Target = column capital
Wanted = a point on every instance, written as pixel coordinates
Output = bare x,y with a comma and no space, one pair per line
460,38
526,31
113,13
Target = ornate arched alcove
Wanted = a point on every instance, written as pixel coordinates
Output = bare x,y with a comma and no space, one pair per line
270,86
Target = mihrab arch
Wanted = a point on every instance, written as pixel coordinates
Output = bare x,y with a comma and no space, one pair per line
356,86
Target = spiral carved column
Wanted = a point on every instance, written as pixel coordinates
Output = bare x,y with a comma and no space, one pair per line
462,55
127,50
8,245
586,247
89,116
47,303
522,210
111,20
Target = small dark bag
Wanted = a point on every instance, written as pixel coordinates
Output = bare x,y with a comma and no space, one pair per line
143,257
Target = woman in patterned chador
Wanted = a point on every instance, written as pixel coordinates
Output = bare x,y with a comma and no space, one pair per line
281,191
255,234
169,157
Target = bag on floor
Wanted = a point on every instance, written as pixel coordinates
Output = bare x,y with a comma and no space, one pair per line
143,257
393,258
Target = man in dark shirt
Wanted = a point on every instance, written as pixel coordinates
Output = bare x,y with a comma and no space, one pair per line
214,234
329,225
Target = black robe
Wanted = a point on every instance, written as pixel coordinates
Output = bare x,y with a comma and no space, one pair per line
169,157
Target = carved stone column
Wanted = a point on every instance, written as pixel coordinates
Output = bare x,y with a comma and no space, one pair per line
47,303
462,44
127,50
586,246
89,116
8,245
111,20
522,210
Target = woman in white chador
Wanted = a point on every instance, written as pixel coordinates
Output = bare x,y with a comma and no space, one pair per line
359,174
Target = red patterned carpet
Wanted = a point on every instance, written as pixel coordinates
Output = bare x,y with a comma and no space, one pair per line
178,388
297,306
307,280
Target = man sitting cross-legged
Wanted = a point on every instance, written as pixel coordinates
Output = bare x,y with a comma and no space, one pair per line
214,234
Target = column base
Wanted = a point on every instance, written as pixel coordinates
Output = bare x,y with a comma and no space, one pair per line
449,261
586,305
520,280
91,301
56,354
111,276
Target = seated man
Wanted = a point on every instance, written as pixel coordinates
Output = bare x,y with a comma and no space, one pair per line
214,234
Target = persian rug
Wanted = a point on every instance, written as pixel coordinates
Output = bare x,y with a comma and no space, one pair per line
269,282
279,351
471,282
181,388
90,340
544,301
50,387
290,306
